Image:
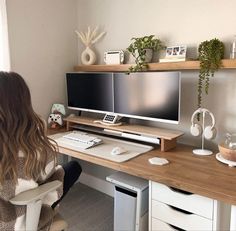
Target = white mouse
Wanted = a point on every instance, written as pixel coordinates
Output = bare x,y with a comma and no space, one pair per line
117,151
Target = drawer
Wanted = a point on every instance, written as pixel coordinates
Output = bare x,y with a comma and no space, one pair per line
158,225
200,205
183,220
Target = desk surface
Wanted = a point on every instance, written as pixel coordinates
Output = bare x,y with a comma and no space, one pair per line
203,175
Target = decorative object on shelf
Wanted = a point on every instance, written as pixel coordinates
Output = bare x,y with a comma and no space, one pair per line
210,55
55,119
230,141
58,108
233,49
88,56
227,150
114,57
175,54
208,132
228,147
142,50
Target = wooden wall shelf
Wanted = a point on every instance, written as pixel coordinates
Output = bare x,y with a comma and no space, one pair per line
187,65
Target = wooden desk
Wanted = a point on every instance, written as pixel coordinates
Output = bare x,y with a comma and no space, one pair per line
203,175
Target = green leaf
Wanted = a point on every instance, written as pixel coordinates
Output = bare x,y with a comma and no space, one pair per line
210,55
138,50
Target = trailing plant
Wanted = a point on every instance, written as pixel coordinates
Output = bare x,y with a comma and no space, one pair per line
210,55
138,49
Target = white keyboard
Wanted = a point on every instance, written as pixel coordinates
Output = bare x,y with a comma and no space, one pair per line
79,140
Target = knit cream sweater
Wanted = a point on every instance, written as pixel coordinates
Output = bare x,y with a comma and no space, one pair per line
12,218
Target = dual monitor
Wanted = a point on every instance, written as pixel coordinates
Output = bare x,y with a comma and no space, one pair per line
151,96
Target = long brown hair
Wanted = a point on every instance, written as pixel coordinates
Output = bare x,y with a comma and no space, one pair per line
21,129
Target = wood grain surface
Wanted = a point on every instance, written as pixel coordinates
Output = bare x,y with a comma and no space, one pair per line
202,175
132,128
187,65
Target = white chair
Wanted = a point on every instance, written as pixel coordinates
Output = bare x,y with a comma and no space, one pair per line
33,200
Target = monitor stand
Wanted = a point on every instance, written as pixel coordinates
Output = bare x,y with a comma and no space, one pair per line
168,138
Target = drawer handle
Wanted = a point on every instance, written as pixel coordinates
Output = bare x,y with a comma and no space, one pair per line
180,210
180,191
176,228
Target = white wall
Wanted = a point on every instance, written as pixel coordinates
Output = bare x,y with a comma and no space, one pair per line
174,22
43,47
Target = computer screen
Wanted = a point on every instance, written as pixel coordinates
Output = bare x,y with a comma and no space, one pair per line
90,91
145,95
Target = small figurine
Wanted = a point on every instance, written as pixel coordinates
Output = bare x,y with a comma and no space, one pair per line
55,119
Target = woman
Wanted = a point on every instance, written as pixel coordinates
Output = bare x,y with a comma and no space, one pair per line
27,155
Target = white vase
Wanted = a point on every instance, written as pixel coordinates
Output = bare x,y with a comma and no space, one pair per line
88,57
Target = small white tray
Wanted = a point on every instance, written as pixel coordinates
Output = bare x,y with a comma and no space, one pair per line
223,160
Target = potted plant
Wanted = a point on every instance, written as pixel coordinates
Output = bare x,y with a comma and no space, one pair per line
142,49
210,55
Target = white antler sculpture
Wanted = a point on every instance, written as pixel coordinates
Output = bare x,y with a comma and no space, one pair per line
88,38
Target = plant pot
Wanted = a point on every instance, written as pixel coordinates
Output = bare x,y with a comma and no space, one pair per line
149,54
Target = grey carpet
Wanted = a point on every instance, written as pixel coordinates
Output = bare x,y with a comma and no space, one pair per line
86,209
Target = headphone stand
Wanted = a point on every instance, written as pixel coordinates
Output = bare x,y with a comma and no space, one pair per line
202,151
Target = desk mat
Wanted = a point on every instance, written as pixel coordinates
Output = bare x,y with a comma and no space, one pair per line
104,150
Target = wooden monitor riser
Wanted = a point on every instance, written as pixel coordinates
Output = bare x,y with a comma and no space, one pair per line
168,137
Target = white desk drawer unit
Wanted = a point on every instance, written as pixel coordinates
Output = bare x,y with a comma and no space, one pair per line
202,206
160,225
173,209
182,219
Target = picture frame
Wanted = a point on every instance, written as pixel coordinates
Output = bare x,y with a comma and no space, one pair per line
176,51
175,54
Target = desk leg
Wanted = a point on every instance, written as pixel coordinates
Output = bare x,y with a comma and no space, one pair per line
233,218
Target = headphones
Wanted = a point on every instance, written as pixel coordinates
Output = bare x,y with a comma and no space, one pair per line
196,129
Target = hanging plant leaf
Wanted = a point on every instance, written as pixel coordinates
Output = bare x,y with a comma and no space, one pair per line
210,55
